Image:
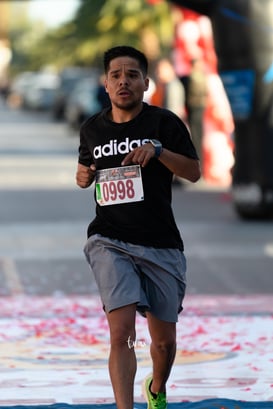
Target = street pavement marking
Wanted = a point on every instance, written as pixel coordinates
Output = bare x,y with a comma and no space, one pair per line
38,172
10,272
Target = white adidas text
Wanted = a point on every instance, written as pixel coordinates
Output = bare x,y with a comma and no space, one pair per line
115,148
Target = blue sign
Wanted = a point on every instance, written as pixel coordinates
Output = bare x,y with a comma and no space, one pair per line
239,87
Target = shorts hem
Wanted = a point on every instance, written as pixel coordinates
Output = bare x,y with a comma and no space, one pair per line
116,307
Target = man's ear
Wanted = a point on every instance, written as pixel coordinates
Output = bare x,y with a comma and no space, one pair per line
105,85
146,83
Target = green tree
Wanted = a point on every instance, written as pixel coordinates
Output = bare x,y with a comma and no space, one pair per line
24,38
101,24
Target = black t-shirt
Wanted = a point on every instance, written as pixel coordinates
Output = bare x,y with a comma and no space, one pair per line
105,143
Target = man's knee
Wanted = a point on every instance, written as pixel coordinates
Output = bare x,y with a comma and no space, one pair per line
165,345
123,337
122,333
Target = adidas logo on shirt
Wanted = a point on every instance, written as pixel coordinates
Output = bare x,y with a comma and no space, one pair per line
115,148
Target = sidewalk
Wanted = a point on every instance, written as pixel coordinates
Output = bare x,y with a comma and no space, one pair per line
55,350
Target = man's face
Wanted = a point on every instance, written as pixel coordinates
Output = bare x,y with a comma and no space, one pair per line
125,83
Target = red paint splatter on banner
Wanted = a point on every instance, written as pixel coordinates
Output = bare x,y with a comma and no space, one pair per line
237,347
200,330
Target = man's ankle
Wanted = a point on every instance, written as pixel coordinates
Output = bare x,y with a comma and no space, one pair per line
155,394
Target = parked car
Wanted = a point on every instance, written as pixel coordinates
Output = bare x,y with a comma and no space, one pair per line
69,77
82,102
40,93
18,89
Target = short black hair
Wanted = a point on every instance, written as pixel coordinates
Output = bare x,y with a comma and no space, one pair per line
125,51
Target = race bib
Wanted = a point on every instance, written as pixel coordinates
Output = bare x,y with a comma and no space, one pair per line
119,185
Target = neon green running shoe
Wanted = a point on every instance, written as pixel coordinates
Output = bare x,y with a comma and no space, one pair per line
159,402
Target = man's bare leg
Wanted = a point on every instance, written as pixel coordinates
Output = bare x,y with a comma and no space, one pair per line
122,359
163,350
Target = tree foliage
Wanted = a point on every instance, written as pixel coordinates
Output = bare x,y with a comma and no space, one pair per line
99,25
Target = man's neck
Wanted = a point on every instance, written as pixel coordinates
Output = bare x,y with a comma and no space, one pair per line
120,115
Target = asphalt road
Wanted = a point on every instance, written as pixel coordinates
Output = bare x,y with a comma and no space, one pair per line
44,217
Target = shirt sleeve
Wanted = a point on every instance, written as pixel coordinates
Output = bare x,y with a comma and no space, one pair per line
176,137
85,156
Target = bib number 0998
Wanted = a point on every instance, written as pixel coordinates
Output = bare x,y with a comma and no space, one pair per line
121,190
119,185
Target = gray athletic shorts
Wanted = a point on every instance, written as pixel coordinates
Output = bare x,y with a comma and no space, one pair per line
125,273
